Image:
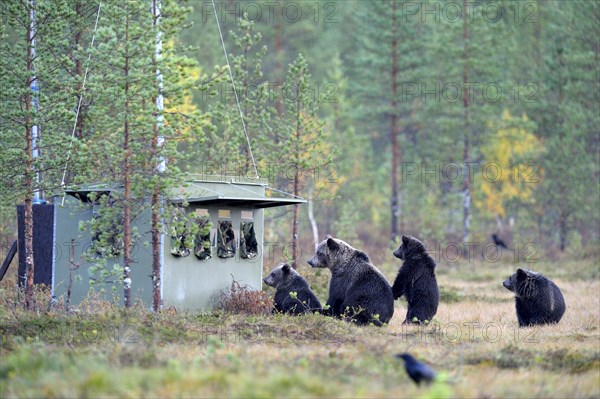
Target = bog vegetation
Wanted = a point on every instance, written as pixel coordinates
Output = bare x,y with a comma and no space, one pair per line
102,350
390,117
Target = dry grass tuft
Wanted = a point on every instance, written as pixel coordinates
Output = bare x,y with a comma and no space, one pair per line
242,299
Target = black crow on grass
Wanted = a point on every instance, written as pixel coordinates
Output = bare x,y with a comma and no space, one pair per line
416,370
498,241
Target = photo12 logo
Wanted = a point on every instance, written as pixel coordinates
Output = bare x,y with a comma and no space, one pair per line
524,12
467,332
272,11
489,252
318,92
475,92
89,332
282,172
455,172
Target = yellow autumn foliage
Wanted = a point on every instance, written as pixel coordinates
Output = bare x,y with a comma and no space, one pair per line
324,174
187,107
511,170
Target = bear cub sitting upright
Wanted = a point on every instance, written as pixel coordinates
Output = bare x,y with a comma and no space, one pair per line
293,293
416,281
357,289
537,299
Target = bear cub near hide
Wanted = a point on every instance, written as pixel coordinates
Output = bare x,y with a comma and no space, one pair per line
357,289
293,293
537,299
416,281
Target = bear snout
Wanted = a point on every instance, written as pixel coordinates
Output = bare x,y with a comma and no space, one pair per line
398,253
268,281
312,262
507,285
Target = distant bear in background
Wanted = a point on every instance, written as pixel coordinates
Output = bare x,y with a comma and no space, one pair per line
416,280
357,289
537,299
287,280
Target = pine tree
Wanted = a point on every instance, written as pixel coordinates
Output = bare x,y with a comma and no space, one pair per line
340,209
126,89
301,134
230,146
34,110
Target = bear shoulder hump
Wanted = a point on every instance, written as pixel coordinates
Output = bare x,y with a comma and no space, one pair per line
361,256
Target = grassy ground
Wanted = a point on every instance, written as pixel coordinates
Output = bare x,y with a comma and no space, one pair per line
100,351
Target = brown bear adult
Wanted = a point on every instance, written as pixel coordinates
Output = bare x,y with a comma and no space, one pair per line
416,281
293,293
537,299
357,289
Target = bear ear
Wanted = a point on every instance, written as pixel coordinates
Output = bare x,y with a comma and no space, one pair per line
405,239
331,244
286,268
521,273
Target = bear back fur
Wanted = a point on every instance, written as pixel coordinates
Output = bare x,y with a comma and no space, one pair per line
357,289
416,280
537,299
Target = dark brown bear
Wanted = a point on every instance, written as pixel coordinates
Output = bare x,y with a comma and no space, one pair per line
293,293
357,289
416,281
537,299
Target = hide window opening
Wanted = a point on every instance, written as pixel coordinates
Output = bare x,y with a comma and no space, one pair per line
106,228
182,235
202,249
108,243
248,242
225,239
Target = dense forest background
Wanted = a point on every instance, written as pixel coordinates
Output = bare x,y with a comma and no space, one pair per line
447,120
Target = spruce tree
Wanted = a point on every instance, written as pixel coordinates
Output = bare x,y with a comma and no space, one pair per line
389,55
568,122
461,98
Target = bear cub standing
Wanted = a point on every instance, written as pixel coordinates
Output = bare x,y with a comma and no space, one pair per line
537,299
416,281
287,280
357,289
